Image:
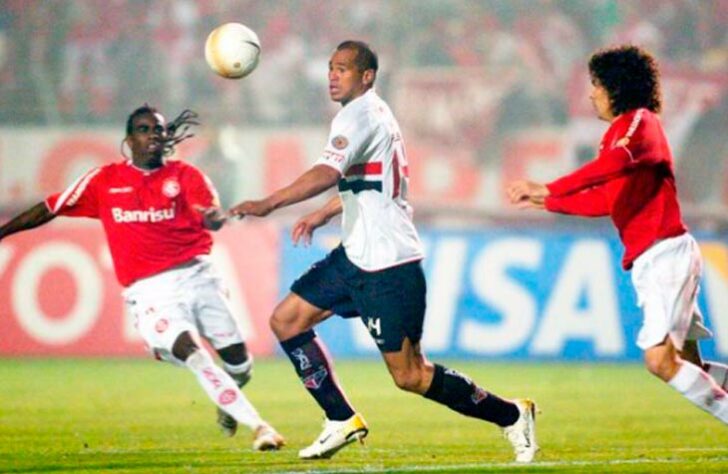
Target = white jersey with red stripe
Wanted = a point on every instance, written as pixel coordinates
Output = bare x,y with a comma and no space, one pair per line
365,145
150,216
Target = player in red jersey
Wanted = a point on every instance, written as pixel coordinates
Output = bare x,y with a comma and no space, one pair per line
157,215
632,180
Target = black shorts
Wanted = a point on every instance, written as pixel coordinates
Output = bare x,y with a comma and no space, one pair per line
390,302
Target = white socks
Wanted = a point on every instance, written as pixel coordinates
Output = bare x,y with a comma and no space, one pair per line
698,387
719,372
222,389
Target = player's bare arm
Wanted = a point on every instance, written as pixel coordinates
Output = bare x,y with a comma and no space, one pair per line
312,183
213,218
305,226
33,217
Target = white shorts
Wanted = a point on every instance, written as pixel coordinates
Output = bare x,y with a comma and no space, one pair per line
190,299
667,281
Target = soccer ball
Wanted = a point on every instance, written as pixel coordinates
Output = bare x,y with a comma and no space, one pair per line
232,50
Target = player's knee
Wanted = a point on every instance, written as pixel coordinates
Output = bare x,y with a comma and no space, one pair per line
286,322
234,354
278,325
184,346
661,362
409,380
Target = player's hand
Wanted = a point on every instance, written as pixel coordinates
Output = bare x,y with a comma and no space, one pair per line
531,203
213,218
523,190
304,227
259,208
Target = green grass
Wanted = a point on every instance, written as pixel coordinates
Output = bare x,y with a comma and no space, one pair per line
143,416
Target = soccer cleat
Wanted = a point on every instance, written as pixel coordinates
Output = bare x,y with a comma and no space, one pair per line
266,438
522,433
336,435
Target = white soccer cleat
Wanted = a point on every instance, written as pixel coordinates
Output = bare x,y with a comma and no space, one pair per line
266,438
336,435
522,433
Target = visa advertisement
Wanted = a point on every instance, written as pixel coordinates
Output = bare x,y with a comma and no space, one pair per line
531,294
492,293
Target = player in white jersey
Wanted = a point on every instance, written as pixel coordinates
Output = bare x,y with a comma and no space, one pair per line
157,215
375,274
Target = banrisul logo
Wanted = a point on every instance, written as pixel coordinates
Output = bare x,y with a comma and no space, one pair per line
149,215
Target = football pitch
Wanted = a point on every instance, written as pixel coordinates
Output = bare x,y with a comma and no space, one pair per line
142,416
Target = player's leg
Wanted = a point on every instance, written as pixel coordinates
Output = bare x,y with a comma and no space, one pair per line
237,362
216,383
687,378
717,370
292,322
396,300
666,279
220,328
310,301
239,366
412,372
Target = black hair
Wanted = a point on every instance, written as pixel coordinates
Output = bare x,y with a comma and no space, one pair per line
365,59
177,129
630,76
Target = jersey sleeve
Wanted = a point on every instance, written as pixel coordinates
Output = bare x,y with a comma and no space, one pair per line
80,199
634,145
591,202
200,191
345,140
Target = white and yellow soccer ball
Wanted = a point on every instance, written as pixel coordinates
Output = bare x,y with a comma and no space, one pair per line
232,50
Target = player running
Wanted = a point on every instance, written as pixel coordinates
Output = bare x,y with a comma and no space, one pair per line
375,273
157,215
632,180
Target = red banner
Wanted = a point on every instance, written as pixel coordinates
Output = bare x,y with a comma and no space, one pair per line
59,295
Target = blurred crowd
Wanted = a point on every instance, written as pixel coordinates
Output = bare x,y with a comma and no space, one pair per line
89,61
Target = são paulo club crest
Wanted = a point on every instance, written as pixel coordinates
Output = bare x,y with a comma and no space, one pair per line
170,188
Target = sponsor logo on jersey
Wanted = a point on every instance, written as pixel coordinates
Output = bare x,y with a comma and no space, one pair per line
339,142
170,188
227,397
333,156
125,189
152,214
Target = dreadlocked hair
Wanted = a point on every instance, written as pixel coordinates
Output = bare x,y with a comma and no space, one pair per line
177,129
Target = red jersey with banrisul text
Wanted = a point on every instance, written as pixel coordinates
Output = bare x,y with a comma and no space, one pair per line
150,216
632,180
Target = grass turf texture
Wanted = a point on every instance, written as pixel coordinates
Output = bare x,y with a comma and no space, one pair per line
144,416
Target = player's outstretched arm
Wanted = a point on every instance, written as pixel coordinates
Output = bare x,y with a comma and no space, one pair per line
311,183
213,218
33,217
304,227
